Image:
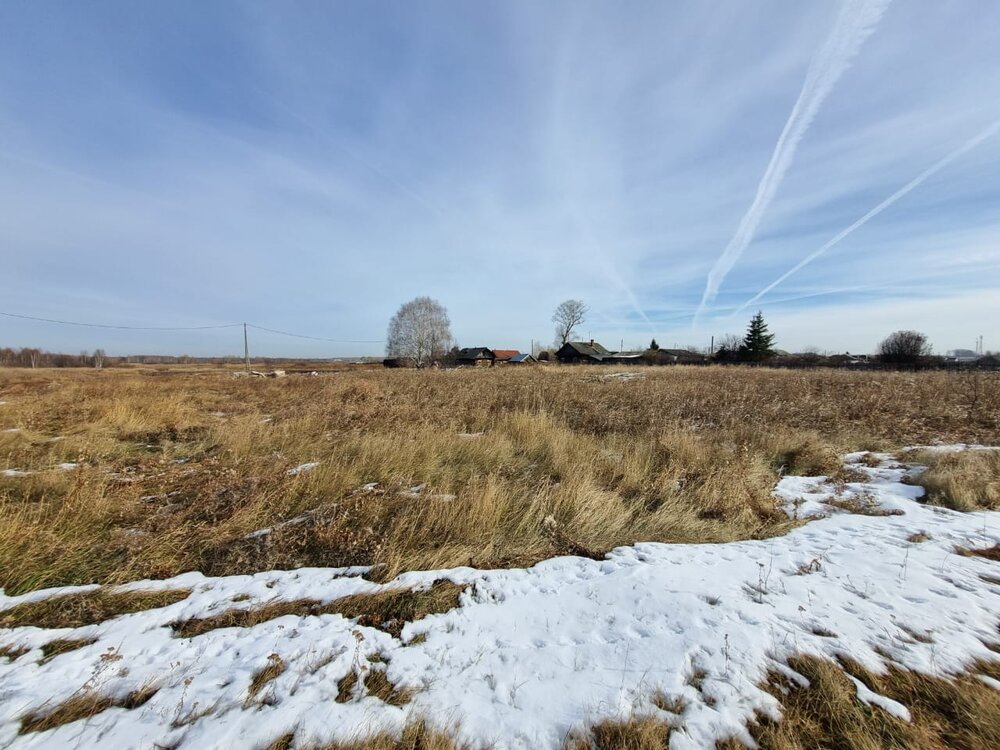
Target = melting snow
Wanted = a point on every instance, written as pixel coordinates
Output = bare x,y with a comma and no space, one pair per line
532,653
303,468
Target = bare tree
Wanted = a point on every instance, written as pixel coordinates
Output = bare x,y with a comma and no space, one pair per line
904,348
98,358
420,331
567,317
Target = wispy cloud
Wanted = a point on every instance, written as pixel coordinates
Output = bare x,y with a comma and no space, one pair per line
855,22
970,144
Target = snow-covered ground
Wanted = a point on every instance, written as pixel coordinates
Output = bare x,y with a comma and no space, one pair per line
532,653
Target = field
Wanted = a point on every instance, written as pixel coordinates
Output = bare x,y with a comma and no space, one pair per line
122,475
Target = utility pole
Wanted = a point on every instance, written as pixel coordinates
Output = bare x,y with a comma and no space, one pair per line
711,348
246,348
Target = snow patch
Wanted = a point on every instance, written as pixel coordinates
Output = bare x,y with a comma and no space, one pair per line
871,698
302,468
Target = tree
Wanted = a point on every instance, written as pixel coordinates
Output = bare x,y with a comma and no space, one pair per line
757,343
653,346
98,358
728,348
420,330
567,317
904,348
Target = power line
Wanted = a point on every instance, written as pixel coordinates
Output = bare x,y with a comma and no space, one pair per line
192,328
122,328
317,338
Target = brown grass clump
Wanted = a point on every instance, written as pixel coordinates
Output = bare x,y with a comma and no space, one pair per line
64,645
12,653
178,466
962,480
990,553
416,736
386,610
82,706
378,686
637,733
275,666
962,713
77,610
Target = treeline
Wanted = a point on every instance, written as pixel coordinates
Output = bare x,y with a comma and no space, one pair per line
32,357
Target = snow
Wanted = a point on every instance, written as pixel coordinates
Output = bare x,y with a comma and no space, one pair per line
871,698
16,473
303,468
531,654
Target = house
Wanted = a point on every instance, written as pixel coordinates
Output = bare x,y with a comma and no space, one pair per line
625,358
478,356
522,359
502,356
679,357
574,352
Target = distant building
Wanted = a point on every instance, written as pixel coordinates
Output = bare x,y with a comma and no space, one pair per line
522,359
502,356
575,352
478,356
677,357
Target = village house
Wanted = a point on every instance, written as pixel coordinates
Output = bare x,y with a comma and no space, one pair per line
503,356
477,356
522,359
576,352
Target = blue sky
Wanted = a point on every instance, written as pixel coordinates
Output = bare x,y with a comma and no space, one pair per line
309,166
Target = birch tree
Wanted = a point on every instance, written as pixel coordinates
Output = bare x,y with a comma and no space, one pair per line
420,331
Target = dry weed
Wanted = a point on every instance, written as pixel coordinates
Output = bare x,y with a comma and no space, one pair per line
77,610
177,467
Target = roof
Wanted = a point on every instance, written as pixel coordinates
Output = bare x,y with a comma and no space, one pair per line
475,352
587,349
505,354
521,358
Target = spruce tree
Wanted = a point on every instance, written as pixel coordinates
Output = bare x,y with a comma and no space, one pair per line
653,345
757,343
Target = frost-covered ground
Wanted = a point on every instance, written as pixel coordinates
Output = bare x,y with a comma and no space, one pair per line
531,654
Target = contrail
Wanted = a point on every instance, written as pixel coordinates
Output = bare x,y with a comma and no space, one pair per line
911,185
856,21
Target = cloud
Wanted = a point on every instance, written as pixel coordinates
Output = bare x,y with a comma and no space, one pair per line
967,146
855,22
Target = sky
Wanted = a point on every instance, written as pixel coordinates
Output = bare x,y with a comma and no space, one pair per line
310,166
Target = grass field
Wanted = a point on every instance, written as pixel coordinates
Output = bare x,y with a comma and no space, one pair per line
118,475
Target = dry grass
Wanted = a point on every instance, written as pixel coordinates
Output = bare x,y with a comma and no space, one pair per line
637,733
963,713
12,653
64,645
966,480
990,553
566,463
386,610
77,610
275,666
82,706
416,736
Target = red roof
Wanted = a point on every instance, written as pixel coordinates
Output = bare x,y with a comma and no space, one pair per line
505,354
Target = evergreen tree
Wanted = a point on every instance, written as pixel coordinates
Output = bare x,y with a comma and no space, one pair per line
757,343
653,345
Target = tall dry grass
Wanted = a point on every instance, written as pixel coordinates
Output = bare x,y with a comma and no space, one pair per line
175,469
